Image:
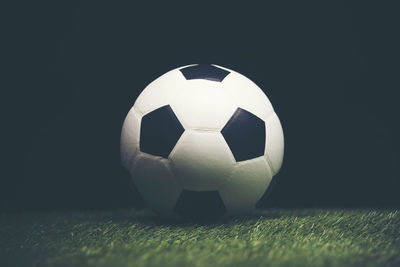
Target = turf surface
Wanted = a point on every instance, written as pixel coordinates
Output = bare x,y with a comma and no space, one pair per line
269,238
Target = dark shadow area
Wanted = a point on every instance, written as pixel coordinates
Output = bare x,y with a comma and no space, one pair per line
73,70
200,206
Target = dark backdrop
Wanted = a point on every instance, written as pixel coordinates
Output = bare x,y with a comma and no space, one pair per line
73,71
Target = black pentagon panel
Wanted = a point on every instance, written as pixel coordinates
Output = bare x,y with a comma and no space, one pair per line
245,135
204,205
159,131
204,71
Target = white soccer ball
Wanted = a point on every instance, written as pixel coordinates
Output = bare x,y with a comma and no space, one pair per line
202,141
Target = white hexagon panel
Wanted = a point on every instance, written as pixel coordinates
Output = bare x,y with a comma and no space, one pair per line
202,141
202,161
241,194
203,105
156,183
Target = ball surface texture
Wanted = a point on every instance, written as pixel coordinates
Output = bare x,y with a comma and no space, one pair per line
202,141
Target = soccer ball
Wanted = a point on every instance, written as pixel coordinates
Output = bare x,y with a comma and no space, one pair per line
202,141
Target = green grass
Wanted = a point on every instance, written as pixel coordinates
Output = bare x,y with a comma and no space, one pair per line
269,238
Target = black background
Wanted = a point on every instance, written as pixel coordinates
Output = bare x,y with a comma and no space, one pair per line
73,70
